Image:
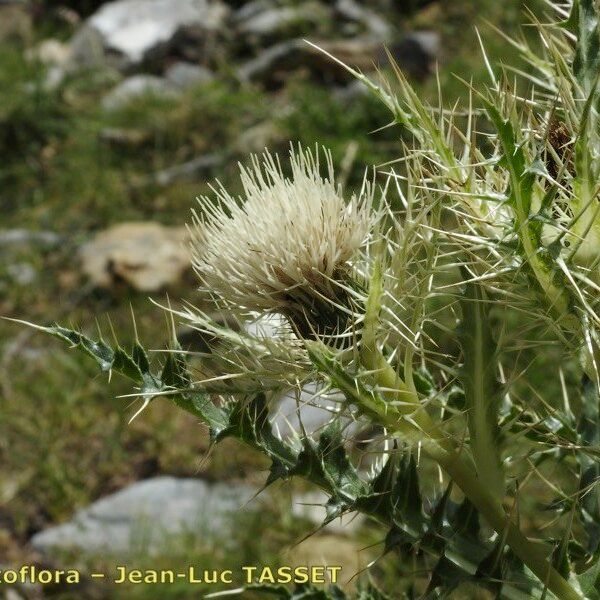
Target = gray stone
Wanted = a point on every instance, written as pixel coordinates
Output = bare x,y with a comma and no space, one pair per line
269,60
55,75
272,64
131,32
87,49
430,41
186,75
190,170
145,515
415,53
135,87
278,22
28,237
372,22
22,273
352,92
269,21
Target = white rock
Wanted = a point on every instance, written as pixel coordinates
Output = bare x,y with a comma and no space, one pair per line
146,256
145,514
136,29
257,137
273,58
273,63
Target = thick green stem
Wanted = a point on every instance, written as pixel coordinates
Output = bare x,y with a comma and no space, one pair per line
404,400
393,386
441,449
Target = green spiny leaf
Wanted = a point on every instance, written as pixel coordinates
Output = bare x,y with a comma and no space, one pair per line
589,435
447,575
201,405
499,566
123,363
137,368
406,495
174,373
394,496
521,179
378,499
97,349
590,581
328,463
140,357
434,536
249,422
465,520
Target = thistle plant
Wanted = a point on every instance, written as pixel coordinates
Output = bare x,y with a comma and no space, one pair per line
410,305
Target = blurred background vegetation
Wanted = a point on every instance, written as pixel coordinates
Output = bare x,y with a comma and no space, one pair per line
73,164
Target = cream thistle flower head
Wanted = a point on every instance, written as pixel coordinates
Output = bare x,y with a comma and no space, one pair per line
285,245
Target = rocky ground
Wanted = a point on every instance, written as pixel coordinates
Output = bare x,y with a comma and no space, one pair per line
114,116
179,43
